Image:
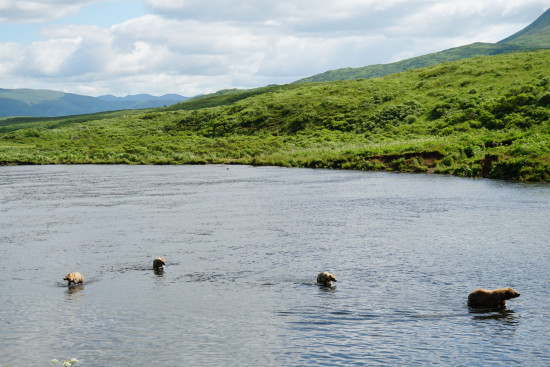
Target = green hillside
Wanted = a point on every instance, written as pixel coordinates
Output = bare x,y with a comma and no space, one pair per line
481,117
225,97
534,36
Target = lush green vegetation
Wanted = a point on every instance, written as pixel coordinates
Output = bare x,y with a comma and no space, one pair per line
379,70
482,117
535,36
226,97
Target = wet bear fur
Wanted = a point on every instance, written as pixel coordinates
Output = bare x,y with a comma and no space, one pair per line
75,278
326,278
159,263
496,298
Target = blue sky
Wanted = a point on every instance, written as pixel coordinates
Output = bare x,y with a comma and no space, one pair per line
188,47
102,13
107,13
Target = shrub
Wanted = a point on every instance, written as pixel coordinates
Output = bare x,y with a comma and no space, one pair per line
537,114
439,111
544,100
448,161
509,169
31,133
516,120
469,171
471,150
489,120
397,114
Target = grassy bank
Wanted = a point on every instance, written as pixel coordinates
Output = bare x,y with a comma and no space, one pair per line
484,117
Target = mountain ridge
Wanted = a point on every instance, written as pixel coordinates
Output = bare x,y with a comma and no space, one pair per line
482,117
50,103
47,103
143,97
541,26
535,36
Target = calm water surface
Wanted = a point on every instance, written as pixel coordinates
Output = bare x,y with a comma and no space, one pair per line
243,247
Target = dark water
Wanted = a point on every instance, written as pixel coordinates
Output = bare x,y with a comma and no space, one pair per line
243,247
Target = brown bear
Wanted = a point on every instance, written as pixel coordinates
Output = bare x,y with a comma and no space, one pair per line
159,263
483,298
326,278
75,278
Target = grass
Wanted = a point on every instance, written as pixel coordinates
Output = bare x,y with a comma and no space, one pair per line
482,117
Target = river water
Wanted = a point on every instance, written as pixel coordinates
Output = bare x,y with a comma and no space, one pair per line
243,247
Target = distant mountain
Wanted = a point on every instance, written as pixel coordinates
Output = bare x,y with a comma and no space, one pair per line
145,100
48,103
534,36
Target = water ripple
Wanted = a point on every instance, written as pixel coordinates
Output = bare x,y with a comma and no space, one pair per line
243,247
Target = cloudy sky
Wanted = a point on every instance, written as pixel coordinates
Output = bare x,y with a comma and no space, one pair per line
121,47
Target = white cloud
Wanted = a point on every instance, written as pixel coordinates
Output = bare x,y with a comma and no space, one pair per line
191,46
49,57
10,57
319,16
147,48
460,18
35,11
261,10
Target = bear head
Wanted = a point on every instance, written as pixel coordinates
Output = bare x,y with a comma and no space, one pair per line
509,293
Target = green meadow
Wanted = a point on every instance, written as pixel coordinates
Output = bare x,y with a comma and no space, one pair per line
480,117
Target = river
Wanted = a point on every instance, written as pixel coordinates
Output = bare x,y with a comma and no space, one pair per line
243,246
